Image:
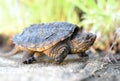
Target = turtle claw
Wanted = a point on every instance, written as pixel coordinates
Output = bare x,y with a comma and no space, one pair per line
110,58
29,60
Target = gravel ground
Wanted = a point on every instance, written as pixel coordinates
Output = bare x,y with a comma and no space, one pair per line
72,69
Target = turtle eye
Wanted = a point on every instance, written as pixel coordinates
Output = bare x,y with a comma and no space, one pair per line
87,37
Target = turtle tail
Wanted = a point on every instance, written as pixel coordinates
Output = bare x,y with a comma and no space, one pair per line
14,51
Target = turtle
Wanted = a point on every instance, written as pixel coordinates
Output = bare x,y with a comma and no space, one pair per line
54,39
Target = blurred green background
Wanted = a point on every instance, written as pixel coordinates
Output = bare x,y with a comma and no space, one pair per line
17,14
101,17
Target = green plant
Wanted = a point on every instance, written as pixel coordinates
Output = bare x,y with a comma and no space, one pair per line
101,16
17,14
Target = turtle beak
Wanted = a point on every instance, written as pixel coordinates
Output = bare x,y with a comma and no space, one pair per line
92,38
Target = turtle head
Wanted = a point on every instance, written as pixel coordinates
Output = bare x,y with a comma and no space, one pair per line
86,39
82,41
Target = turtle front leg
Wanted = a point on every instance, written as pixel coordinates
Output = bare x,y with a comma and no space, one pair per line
30,57
61,54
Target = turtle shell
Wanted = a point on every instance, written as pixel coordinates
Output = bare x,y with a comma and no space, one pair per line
44,36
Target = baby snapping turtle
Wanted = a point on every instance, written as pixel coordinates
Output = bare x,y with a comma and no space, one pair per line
57,40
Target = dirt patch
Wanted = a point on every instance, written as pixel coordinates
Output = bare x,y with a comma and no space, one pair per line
72,69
